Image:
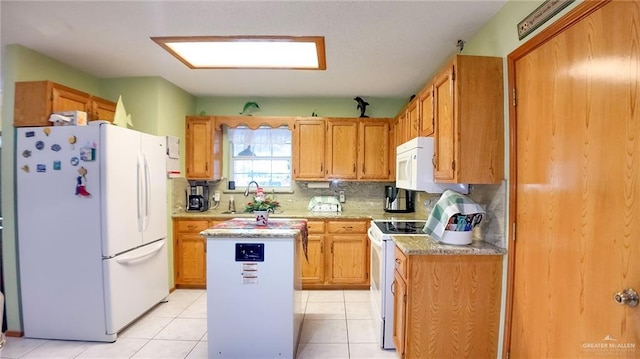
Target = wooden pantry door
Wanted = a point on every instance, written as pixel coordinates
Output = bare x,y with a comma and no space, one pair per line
576,186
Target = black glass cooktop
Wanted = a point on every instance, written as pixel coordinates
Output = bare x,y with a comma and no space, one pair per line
399,227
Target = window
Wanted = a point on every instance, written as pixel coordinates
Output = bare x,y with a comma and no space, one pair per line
262,155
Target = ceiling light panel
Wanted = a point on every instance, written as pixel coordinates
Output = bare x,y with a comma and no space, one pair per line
247,52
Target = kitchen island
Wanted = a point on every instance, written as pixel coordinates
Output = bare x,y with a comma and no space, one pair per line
254,299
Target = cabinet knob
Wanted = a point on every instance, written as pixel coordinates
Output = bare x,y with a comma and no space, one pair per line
398,261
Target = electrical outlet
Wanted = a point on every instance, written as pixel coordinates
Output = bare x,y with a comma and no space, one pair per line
341,196
216,196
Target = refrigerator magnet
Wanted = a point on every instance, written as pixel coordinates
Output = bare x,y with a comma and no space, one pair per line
87,154
25,168
56,147
47,131
39,145
72,139
74,161
26,153
41,167
81,183
57,165
29,134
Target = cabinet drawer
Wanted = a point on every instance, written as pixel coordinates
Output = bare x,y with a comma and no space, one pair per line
401,263
315,226
343,227
192,226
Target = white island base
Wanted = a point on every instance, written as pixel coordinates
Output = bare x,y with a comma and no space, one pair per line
254,303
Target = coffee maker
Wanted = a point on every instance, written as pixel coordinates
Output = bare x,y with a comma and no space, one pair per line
197,199
399,200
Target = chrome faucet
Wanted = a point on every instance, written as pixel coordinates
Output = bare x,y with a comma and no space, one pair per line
246,191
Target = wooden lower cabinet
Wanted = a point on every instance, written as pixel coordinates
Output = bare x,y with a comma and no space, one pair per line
190,252
447,306
338,254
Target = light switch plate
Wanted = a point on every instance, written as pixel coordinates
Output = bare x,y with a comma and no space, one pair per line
341,196
216,196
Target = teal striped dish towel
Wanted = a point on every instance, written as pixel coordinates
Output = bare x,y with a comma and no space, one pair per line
449,204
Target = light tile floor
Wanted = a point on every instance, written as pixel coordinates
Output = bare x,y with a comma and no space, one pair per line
337,324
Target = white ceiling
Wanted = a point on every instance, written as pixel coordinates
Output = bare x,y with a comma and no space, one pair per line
374,48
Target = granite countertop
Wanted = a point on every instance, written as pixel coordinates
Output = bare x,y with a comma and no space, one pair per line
247,228
425,245
305,214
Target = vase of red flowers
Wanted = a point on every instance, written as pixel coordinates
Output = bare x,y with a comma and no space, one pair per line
261,207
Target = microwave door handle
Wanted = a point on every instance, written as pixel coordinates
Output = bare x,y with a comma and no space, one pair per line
407,171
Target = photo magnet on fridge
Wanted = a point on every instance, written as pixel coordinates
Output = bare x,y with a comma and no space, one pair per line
87,154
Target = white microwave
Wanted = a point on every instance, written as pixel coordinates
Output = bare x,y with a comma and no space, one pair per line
414,168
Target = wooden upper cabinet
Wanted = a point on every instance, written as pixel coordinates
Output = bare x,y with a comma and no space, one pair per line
203,148
101,109
308,149
341,151
425,111
444,150
36,100
344,148
373,149
469,127
412,120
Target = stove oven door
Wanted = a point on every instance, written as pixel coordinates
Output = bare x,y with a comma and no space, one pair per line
380,285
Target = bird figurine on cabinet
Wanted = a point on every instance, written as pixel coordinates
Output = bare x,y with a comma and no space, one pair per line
249,108
362,106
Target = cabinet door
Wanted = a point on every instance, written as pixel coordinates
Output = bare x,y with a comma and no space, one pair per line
190,259
425,112
102,109
400,128
399,313
199,147
373,150
412,119
342,135
348,262
308,149
393,143
313,269
65,99
445,135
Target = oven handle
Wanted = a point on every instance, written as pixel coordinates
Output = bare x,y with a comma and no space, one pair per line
372,239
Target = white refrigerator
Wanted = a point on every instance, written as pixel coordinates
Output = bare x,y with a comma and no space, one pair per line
91,229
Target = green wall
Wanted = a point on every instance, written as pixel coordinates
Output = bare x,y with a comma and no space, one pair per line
304,106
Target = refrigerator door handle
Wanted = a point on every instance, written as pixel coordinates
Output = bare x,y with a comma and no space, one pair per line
139,194
147,199
124,259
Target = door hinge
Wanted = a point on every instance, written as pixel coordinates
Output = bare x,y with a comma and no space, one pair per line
331,248
513,231
294,125
404,298
453,73
507,356
515,102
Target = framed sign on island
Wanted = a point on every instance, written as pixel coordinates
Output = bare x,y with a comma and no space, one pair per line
254,288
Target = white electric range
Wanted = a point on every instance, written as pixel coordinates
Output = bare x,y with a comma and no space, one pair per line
382,264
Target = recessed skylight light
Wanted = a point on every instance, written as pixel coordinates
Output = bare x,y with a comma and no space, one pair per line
247,52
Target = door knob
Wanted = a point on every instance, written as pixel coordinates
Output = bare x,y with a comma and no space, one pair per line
627,296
